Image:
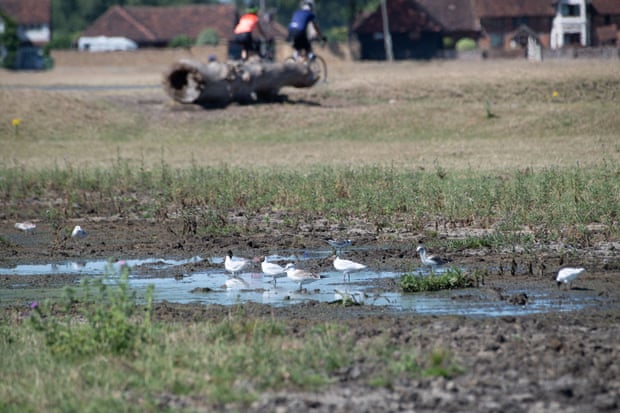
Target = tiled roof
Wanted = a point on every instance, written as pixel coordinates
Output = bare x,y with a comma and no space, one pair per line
28,11
607,33
606,6
453,15
161,24
403,16
513,8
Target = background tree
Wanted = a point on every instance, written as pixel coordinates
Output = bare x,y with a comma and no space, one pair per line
335,17
9,42
71,17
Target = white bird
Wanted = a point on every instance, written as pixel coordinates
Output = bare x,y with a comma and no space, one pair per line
272,269
78,232
430,260
236,265
347,266
568,275
300,276
25,226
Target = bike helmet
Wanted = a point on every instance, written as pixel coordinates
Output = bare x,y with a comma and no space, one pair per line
308,4
252,9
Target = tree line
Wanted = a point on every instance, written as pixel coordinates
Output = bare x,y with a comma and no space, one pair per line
71,17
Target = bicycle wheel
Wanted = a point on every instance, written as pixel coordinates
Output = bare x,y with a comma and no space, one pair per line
318,67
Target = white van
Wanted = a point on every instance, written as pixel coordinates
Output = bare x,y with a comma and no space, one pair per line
105,44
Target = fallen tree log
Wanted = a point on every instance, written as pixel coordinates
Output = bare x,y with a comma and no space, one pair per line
190,81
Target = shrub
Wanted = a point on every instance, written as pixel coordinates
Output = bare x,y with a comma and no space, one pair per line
61,40
208,37
448,43
182,40
466,44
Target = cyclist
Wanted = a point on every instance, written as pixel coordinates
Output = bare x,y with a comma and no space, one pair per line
303,20
243,31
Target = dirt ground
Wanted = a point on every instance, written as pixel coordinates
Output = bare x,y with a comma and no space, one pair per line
567,362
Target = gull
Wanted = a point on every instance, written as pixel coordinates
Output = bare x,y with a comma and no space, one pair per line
568,275
338,244
25,226
236,265
78,232
430,260
272,269
300,276
347,266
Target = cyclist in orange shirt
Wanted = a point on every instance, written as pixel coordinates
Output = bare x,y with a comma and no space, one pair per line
243,31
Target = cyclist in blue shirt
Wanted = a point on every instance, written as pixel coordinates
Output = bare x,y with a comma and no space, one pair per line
298,29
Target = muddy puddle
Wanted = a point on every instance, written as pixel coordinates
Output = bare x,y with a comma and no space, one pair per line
213,285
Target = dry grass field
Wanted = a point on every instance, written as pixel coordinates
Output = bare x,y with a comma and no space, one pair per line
466,114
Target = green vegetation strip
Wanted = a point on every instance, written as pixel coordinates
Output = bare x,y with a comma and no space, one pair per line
100,351
550,202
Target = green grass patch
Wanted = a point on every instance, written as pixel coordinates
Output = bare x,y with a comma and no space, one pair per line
109,322
101,351
452,278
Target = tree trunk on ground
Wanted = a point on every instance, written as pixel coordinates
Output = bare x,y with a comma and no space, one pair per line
189,81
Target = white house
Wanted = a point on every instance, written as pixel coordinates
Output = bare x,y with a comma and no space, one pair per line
571,24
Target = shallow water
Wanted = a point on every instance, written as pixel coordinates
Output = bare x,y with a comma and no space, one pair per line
214,287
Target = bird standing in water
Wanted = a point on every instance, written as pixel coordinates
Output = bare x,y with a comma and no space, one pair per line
300,276
347,266
272,269
234,266
430,260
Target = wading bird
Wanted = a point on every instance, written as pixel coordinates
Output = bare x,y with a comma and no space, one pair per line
568,275
234,266
300,276
339,244
272,269
430,260
25,226
347,267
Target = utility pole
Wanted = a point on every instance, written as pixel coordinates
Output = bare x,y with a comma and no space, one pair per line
387,38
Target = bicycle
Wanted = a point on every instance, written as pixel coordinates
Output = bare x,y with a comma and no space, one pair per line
317,64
